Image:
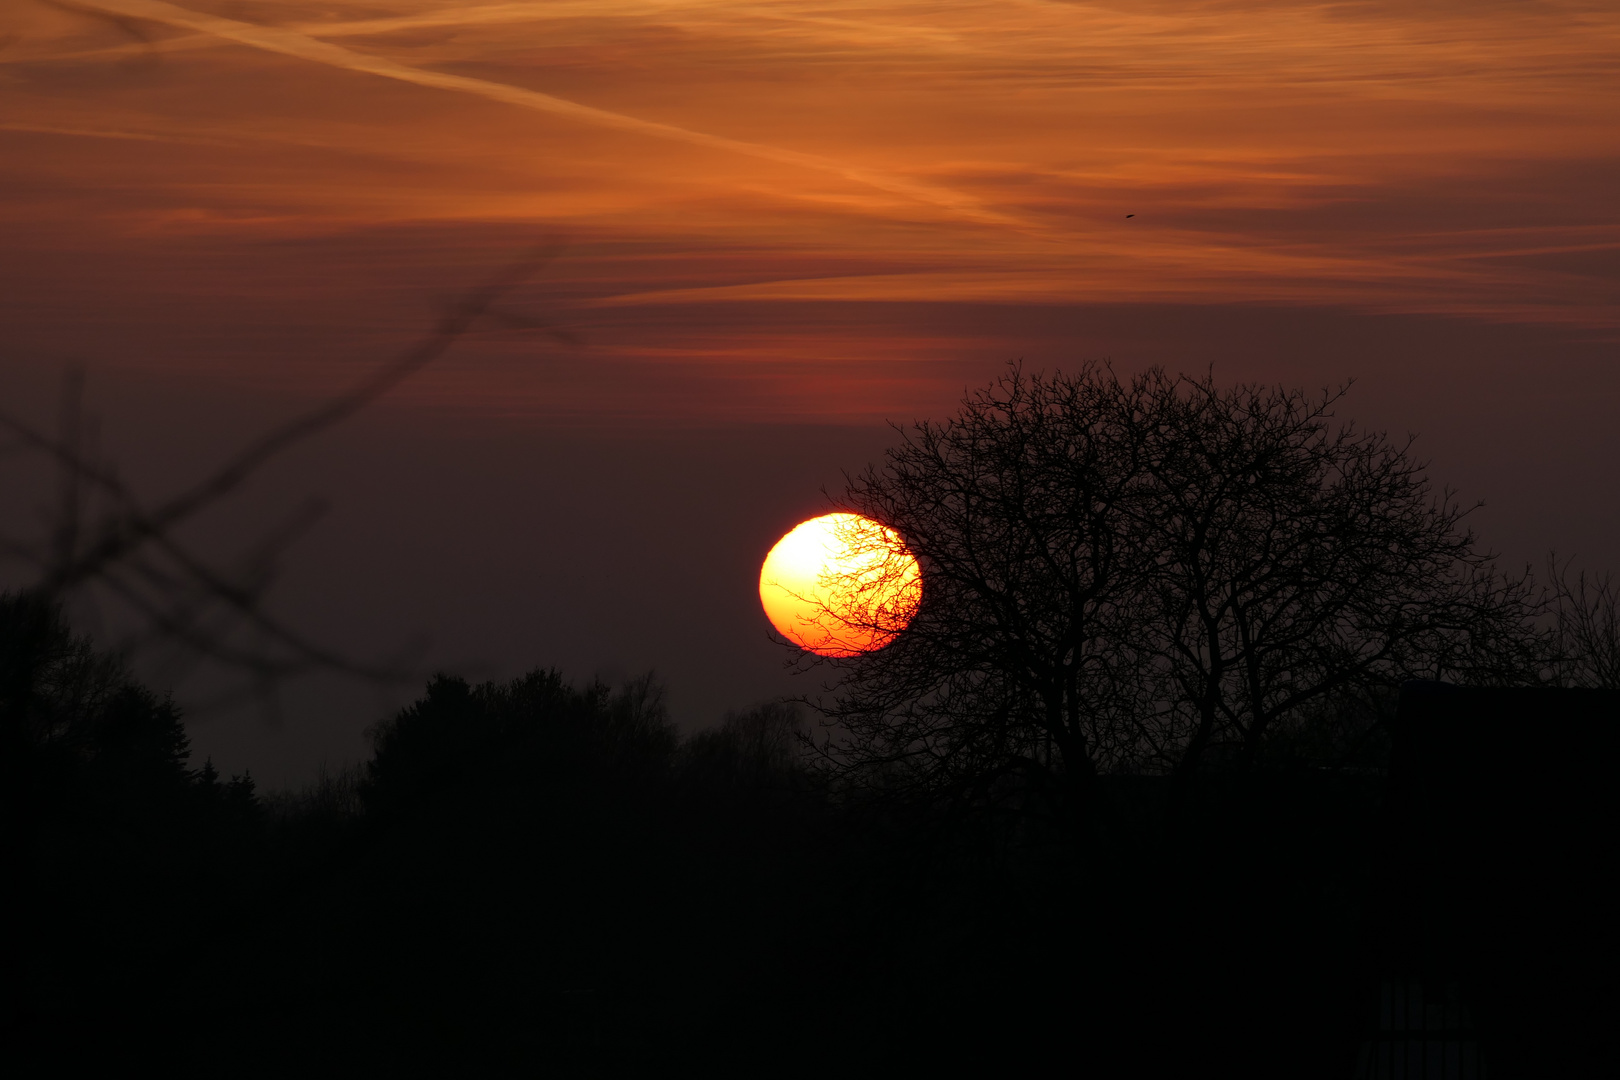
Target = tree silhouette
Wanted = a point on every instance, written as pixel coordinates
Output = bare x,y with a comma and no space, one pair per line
69,710
103,536
467,743
123,855
1151,575
1586,627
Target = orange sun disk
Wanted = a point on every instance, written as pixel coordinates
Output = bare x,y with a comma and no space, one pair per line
840,585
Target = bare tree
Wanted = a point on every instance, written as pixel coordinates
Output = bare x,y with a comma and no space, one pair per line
752,750
1287,559
1138,575
1586,627
1015,671
103,536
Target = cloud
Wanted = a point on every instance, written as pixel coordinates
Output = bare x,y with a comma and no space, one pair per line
304,47
1445,157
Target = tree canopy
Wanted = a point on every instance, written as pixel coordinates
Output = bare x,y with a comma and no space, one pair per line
1152,574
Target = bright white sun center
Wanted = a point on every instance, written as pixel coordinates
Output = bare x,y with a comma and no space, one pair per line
840,585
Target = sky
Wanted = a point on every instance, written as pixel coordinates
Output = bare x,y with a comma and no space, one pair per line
769,228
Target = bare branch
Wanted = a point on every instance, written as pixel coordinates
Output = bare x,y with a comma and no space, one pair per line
134,552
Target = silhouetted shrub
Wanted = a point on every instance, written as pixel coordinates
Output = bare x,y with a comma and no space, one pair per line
464,743
85,737
755,750
126,861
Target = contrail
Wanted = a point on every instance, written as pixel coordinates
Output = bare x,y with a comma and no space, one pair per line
291,43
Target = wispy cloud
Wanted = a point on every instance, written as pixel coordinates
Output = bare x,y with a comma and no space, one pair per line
304,47
740,158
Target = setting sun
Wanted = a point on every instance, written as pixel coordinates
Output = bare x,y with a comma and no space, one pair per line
840,585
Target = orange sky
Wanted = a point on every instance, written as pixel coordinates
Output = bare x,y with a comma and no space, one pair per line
744,189
802,214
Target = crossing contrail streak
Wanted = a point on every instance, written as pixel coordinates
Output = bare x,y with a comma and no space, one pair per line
292,43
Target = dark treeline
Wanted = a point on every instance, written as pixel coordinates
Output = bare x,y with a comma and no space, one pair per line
1117,794
532,873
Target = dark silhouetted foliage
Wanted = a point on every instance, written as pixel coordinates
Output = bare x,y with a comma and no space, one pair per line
462,743
1586,628
122,858
535,876
1118,800
1155,575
